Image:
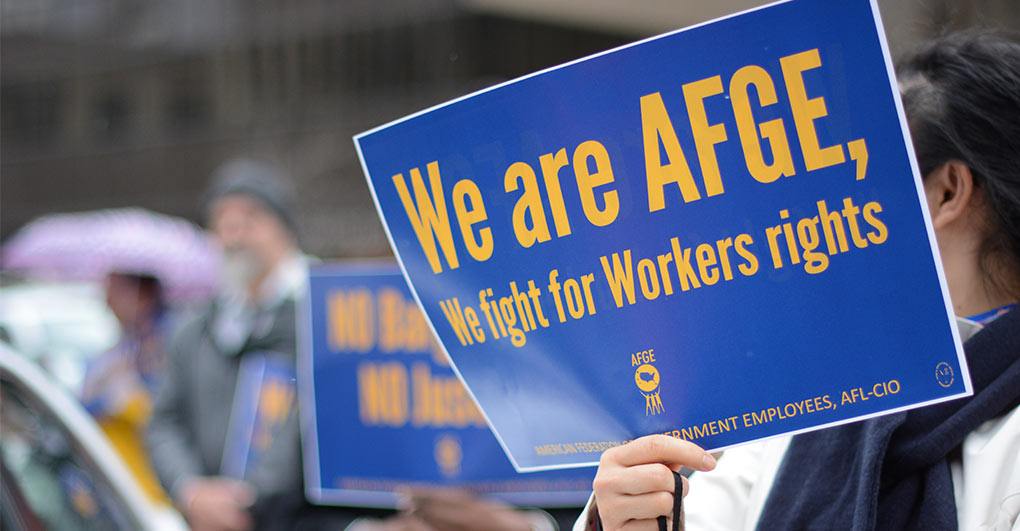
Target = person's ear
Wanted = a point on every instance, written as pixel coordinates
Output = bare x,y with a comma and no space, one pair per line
950,192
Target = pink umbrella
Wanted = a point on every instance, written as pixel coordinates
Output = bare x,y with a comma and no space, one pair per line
90,245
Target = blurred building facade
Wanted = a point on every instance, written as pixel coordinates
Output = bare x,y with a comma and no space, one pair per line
108,103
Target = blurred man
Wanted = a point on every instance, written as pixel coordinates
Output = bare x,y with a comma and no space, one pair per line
248,211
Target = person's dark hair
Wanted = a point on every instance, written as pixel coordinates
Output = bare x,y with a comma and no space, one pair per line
147,286
961,95
151,287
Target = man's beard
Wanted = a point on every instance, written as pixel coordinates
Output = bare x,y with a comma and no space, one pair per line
240,268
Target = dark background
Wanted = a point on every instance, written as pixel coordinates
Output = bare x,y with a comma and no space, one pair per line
111,103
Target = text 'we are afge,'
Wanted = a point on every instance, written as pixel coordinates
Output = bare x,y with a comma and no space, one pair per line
452,223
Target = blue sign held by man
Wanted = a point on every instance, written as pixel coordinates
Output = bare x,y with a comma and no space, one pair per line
384,411
717,234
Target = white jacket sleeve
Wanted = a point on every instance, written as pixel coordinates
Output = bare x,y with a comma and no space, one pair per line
988,482
731,497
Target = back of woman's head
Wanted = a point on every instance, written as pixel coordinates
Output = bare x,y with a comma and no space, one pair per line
961,94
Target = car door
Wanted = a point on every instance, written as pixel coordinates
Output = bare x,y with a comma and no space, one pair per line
50,479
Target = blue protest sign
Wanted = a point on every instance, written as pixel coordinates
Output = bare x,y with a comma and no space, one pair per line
382,409
263,400
718,234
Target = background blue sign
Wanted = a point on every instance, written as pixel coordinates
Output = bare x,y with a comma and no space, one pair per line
385,410
717,234
263,400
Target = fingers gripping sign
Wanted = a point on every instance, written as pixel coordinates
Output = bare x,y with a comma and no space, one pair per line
636,483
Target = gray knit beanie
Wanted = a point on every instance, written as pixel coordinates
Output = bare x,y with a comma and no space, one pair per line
259,180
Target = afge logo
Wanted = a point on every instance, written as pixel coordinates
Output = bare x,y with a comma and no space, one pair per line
448,455
646,378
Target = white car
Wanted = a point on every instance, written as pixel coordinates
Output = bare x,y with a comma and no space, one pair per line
59,325
58,470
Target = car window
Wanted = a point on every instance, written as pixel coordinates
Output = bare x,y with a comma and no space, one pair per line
59,482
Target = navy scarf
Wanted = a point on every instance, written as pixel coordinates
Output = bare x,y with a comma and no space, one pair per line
892,472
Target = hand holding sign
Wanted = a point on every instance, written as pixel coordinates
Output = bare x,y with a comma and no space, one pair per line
634,486
458,510
216,504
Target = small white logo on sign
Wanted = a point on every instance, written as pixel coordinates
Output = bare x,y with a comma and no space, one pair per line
944,374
